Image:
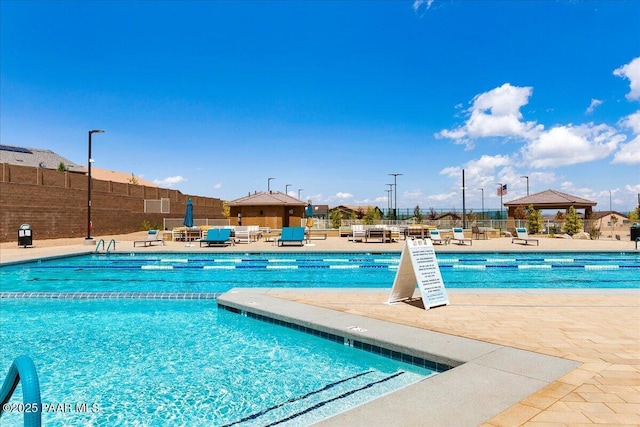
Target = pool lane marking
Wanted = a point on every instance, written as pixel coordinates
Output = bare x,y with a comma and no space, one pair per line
342,396
297,398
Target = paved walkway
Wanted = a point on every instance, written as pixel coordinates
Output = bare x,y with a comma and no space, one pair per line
600,328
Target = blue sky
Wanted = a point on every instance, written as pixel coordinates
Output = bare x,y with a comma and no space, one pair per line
212,97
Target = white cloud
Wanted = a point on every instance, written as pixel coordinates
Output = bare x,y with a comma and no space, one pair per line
495,113
630,153
445,197
218,185
569,145
418,3
170,181
594,103
412,195
342,196
631,71
632,122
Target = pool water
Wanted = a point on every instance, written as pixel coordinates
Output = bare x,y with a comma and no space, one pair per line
185,363
151,362
221,272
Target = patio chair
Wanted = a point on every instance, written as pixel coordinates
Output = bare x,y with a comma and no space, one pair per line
458,236
436,238
153,236
476,232
523,236
217,237
291,235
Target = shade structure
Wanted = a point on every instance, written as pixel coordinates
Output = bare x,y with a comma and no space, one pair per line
188,215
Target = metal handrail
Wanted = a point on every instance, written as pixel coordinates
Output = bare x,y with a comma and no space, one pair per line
98,245
109,245
23,369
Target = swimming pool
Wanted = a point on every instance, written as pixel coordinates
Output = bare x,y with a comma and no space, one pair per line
100,335
218,273
185,363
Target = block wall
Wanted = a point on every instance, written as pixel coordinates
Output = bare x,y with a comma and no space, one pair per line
54,204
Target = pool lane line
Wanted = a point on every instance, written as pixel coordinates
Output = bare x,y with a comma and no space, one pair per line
326,402
112,295
298,398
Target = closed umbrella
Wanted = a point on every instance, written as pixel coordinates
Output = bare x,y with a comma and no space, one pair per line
309,213
188,215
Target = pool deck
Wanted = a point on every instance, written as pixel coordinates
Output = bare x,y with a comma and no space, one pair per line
599,329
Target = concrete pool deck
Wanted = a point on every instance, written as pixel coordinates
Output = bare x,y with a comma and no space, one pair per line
599,329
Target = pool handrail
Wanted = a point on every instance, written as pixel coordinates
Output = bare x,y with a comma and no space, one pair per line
109,245
98,245
23,369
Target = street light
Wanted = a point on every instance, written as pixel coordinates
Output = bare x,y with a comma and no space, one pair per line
524,176
89,161
610,215
389,199
500,191
395,184
299,190
269,184
482,189
286,188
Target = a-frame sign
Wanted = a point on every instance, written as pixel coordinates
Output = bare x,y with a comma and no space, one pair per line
418,266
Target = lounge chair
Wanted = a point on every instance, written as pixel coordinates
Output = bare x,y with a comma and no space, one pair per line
458,236
217,237
153,236
436,238
523,236
358,232
476,232
291,235
242,234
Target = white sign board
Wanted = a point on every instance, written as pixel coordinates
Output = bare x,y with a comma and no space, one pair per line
418,266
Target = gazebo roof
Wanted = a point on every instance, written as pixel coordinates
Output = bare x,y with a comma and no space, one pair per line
552,199
263,198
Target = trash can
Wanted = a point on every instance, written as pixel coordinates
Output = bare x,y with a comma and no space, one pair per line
25,235
635,232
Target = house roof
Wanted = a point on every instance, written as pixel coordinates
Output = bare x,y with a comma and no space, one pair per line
355,208
114,176
47,159
263,198
551,199
603,214
35,157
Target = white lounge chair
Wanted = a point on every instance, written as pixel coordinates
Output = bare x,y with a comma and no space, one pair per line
436,238
523,236
458,236
153,236
358,232
242,234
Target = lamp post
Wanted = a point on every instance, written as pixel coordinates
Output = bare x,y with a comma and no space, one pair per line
395,184
610,215
269,184
525,176
389,200
286,188
89,161
482,189
500,191
299,190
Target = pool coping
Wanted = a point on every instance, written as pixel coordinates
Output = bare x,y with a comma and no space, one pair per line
486,378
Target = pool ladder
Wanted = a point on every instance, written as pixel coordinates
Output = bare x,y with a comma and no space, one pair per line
101,242
23,369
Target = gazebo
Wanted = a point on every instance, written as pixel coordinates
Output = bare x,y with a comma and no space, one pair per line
548,199
272,209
